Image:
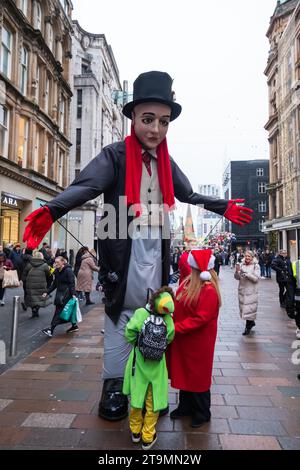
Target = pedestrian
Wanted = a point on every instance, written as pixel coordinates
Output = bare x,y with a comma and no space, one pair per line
140,181
85,275
16,259
146,376
175,259
248,273
64,283
296,274
80,253
190,356
267,259
35,276
5,265
285,280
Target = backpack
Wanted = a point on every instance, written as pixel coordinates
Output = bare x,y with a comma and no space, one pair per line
152,340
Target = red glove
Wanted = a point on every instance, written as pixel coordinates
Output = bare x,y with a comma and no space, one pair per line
40,222
238,214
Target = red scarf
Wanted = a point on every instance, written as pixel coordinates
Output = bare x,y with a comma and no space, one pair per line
134,172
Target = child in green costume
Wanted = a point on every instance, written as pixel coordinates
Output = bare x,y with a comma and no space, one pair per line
146,379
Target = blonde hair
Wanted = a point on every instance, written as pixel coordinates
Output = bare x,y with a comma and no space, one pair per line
192,287
37,254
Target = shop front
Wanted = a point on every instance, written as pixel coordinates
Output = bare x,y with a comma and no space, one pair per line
10,210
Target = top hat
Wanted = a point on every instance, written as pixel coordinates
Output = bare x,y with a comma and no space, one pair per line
153,87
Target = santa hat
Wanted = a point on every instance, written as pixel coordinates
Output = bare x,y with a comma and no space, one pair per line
202,260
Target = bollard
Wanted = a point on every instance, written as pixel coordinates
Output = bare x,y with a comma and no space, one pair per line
14,330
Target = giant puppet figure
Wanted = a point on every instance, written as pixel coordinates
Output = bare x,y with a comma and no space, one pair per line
140,171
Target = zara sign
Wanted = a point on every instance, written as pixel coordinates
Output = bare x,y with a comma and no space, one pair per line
10,201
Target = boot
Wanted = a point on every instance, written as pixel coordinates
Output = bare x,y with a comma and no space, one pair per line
88,299
249,324
113,405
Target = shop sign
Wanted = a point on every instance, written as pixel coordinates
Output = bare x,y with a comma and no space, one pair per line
10,201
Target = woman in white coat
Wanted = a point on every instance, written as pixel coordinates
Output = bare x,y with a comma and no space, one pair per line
248,274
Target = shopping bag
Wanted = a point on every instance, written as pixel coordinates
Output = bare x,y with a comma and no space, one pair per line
78,312
69,311
10,278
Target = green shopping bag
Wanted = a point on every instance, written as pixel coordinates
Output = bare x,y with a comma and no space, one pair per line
69,311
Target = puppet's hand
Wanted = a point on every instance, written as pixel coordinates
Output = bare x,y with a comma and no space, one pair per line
39,223
238,214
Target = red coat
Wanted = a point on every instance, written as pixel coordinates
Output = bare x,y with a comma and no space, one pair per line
184,267
190,355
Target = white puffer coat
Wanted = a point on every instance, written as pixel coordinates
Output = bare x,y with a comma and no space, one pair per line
248,278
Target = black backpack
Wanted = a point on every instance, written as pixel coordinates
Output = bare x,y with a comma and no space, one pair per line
152,340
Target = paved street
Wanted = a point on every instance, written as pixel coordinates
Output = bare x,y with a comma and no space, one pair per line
49,400
29,329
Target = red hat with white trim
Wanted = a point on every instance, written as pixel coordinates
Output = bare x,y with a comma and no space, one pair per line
203,261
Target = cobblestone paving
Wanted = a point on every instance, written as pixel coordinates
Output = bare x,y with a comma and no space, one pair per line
49,400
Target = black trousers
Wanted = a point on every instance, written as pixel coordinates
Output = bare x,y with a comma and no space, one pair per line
297,313
286,295
197,404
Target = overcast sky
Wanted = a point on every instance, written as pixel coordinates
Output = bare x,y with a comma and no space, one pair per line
216,52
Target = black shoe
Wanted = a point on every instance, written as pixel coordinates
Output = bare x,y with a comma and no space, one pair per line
196,422
246,332
179,413
72,329
113,405
35,315
23,306
148,445
164,412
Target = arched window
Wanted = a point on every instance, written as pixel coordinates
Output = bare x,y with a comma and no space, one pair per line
24,6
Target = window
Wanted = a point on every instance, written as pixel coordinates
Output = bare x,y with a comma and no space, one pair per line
45,158
77,173
46,94
262,206
79,104
36,151
62,114
24,6
64,4
50,36
260,225
259,172
60,164
24,70
261,188
37,83
78,146
4,126
37,16
22,142
6,48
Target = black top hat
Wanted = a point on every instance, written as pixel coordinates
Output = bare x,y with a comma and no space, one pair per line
152,87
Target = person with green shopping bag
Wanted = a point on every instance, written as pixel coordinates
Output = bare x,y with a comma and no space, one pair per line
64,283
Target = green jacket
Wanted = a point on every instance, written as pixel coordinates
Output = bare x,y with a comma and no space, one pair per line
146,371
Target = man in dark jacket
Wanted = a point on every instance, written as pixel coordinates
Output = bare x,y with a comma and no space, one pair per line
134,253
284,278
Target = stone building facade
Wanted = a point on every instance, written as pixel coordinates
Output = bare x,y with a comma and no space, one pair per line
283,126
96,119
34,110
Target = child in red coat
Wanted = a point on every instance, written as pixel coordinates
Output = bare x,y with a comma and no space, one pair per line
190,358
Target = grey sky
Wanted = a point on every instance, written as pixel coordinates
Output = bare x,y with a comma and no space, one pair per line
216,51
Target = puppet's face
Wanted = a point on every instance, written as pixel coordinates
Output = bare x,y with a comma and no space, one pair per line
151,122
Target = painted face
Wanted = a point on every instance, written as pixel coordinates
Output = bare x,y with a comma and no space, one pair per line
151,122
